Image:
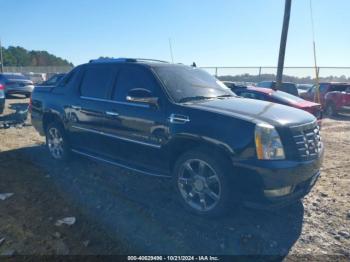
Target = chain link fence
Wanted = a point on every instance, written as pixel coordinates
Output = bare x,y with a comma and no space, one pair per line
251,74
301,75
37,69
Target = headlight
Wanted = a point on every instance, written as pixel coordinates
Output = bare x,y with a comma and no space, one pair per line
268,143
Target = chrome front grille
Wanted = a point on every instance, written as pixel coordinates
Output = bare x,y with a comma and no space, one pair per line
308,141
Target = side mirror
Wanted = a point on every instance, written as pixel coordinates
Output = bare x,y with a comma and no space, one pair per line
140,95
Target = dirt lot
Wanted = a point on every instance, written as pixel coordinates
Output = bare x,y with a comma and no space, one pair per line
118,212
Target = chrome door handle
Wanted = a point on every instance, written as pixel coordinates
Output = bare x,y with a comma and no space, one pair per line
76,107
111,113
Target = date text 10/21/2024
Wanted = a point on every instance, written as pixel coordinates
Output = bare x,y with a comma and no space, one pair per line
173,258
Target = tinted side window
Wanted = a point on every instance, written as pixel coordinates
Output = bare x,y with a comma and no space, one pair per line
69,77
339,88
323,88
291,89
96,81
131,78
52,80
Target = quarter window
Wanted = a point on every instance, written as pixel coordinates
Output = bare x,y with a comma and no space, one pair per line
69,77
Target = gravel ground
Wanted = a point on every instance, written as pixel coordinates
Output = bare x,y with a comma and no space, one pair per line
118,212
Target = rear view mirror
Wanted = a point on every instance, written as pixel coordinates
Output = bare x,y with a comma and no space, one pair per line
141,95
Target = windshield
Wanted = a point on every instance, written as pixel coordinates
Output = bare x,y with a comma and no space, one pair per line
287,98
186,83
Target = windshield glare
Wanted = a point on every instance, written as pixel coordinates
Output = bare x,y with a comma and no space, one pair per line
184,83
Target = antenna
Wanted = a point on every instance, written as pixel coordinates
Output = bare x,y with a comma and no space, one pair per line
171,50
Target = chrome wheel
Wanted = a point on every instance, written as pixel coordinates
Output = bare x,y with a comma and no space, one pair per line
199,185
55,143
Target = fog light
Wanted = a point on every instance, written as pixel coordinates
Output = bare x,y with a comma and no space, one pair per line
278,192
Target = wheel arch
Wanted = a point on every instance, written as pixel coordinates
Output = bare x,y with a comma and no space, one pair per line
184,143
50,117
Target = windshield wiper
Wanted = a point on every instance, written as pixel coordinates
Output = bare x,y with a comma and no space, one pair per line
192,98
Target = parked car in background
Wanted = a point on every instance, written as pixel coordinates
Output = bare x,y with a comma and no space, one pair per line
53,80
303,88
186,126
233,85
15,83
2,98
36,78
334,97
290,88
280,97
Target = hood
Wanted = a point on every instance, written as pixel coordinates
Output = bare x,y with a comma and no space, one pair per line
255,111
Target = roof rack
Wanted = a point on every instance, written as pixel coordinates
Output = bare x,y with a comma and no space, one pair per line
125,60
151,60
112,60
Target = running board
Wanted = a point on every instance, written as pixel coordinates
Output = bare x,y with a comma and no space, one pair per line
142,171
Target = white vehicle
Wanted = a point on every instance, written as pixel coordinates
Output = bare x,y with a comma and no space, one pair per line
37,78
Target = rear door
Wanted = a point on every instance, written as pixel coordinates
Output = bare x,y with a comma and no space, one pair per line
91,106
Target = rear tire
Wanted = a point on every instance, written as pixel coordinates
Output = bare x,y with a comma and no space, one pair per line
202,184
56,142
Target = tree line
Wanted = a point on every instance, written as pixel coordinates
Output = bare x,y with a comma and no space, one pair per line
19,56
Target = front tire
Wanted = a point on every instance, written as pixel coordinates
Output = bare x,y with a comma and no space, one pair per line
56,142
201,184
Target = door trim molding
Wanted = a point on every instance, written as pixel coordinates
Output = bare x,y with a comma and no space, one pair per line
115,102
116,137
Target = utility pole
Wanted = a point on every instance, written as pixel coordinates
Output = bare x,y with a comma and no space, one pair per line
283,43
317,98
1,59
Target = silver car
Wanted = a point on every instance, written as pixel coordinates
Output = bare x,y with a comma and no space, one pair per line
15,83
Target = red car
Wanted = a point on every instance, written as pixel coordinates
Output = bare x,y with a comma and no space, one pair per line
335,97
280,97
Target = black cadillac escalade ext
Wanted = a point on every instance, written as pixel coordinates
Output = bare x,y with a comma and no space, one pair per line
170,120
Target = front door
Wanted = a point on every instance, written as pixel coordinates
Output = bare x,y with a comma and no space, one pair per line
137,130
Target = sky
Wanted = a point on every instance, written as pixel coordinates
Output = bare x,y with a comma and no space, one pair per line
209,32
